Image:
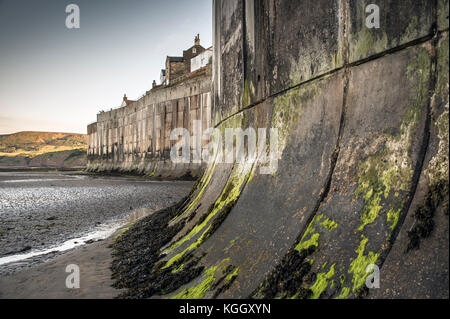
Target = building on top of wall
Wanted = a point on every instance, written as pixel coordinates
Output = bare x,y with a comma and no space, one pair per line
201,60
136,137
126,101
178,67
162,76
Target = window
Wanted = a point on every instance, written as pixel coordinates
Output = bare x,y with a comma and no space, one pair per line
194,50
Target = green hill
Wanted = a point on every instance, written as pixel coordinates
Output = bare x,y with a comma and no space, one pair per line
36,143
43,149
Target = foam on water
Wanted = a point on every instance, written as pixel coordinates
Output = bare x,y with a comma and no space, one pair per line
101,232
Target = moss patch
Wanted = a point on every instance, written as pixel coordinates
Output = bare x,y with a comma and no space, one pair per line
329,224
344,293
204,182
287,110
360,263
221,207
392,217
198,291
310,238
321,283
390,170
367,43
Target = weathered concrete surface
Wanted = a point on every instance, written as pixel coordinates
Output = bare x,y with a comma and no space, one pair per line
401,22
136,138
374,172
228,56
425,269
361,146
442,19
256,57
266,219
306,41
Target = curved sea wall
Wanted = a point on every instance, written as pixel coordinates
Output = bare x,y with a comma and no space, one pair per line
362,179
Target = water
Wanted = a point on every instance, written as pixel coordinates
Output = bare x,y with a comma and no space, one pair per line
42,213
99,233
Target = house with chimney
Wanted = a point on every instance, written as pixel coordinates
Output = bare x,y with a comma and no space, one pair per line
178,67
126,101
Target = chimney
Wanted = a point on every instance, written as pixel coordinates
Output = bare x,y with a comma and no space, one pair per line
125,99
197,40
154,83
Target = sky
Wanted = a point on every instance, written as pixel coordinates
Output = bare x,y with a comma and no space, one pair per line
57,79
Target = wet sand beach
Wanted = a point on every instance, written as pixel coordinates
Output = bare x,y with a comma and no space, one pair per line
47,280
59,219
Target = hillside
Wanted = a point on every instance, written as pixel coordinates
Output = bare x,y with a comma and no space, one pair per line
42,149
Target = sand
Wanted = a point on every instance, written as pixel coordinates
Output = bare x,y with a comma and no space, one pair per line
48,280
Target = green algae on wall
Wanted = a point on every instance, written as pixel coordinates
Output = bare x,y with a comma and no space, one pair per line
329,224
177,269
321,283
198,291
366,43
377,176
391,168
344,293
204,182
191,247
153,171
311,237
359,264
382,177
208,281
438,168
392,217
232,275
230,193
287,109
385,174
228,197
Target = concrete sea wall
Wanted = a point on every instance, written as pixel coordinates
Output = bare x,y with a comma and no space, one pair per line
362,173
136,138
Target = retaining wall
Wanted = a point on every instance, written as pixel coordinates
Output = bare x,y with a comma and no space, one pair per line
136,138
363,167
